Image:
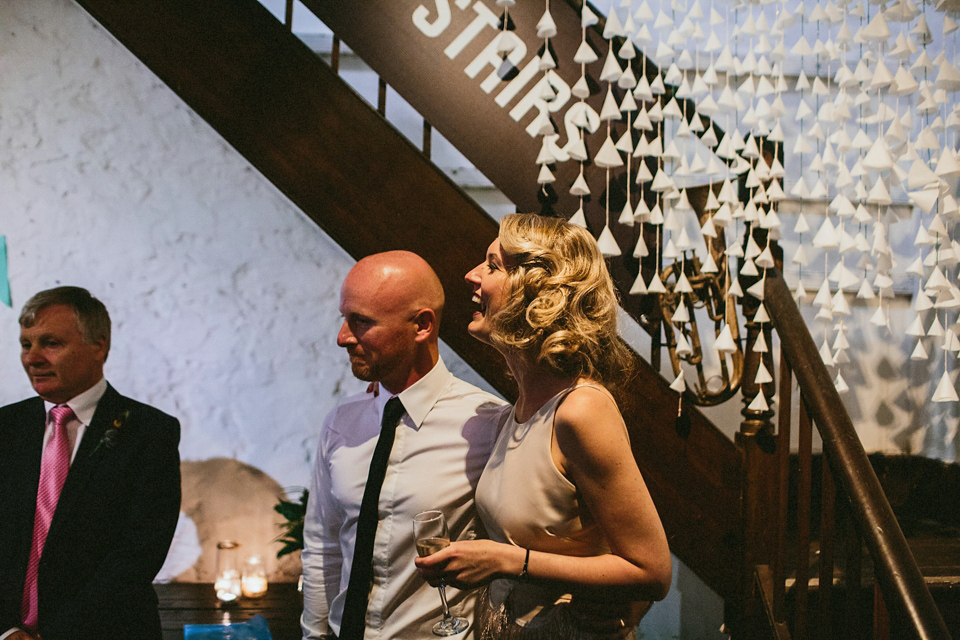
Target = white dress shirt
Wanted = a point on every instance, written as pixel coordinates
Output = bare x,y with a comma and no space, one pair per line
442,444
84,406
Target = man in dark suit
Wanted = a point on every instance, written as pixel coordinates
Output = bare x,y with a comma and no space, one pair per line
89,486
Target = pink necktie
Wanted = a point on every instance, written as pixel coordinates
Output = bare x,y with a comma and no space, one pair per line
53,472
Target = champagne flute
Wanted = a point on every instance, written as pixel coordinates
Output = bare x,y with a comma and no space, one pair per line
431,535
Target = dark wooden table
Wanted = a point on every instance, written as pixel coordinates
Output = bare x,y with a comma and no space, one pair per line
195,603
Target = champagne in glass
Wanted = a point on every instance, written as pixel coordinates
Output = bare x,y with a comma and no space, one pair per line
430,533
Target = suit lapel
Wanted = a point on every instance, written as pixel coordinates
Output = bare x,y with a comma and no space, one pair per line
89,455
31,423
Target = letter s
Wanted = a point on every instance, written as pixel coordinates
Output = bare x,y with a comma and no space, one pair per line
442,22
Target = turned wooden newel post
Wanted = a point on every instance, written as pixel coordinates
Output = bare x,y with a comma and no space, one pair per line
758,446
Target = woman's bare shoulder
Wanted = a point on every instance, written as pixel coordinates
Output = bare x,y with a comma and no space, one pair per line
589,405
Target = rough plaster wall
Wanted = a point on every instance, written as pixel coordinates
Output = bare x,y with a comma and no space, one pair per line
223,295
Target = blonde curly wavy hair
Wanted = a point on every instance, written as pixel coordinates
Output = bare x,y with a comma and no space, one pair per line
560,305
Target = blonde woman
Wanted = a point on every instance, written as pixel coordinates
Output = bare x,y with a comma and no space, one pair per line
570,520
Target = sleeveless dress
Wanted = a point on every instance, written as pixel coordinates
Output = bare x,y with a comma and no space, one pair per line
524,500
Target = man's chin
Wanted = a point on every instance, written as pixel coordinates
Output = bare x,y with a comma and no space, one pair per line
50,394
362,372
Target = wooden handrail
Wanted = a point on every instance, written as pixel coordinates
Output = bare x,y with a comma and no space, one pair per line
897,572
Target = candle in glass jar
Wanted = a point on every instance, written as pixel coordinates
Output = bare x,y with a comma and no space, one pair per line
254,577
254,586
227,583
228,586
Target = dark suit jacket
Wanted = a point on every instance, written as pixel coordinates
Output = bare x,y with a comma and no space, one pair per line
112,527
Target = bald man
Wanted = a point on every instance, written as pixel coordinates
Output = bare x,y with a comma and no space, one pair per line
391,305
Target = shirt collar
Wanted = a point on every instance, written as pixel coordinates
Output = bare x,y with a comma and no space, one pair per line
420,397
85,404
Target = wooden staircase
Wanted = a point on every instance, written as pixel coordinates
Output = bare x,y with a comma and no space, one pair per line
371,190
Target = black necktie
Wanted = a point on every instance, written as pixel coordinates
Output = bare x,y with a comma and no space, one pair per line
361,571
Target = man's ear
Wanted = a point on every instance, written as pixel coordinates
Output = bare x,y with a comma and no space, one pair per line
426,322
102,348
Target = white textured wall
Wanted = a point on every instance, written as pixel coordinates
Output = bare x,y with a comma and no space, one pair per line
223,295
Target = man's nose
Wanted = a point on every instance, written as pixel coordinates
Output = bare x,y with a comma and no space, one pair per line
345,336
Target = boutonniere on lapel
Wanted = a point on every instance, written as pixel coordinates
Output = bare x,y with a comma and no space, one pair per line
110,437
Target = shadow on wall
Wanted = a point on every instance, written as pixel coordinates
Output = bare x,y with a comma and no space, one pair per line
224,499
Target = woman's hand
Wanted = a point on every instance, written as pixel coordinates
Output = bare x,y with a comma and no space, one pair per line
467,564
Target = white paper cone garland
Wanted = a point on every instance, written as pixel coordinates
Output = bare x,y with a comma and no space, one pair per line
876,126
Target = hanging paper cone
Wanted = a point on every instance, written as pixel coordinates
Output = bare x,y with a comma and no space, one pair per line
945,391
936,329
639,286
656,285
761,314
826,355
611,71
763,375
724,342
759,403
765,259
585,54
608,245
760,345
826,237
879,318
641,250
587,17
678,384
546,27
919,353
735,290
579,187
608,157
841,384
579,218
838,305
866,291
757,289
613,27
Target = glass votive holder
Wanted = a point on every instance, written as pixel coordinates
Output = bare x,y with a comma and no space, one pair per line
254,579
227,583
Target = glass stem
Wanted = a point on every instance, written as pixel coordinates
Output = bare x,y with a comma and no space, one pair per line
443,600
